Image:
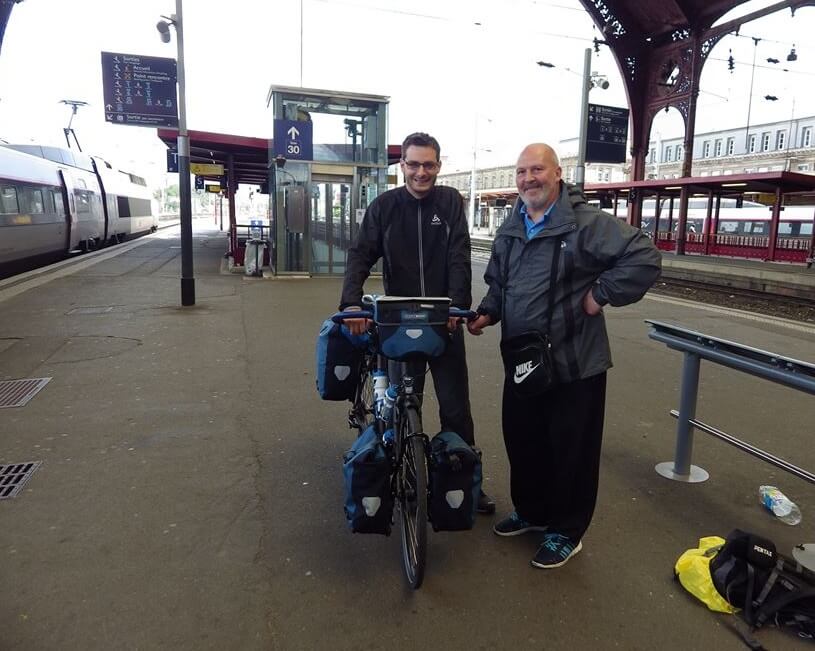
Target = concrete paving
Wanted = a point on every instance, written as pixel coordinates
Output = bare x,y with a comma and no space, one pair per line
190,495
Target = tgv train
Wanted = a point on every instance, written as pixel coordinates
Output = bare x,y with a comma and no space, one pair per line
55,201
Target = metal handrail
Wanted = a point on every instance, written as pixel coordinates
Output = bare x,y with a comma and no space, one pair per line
696,346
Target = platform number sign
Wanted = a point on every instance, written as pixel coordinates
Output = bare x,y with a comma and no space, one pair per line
293,140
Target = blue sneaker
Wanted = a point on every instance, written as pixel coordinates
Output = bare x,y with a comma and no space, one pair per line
514,525
555,551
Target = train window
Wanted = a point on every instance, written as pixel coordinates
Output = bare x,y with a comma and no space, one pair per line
806,229
8,200
756,228
80,183
786,228
83,201
50,206
728,227
32,199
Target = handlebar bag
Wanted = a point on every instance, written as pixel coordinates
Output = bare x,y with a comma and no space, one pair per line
339,358
366,469
412,328
455,483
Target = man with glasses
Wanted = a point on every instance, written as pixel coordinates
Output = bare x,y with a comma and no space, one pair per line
420,232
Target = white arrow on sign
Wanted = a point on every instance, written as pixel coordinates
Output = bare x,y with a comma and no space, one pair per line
293,133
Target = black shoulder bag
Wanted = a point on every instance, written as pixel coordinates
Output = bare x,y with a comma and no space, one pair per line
528,363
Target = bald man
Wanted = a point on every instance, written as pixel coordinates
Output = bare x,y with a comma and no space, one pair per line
555,263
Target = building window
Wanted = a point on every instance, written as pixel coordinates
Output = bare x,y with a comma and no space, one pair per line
652,155
751,144
765,142
780,139
804,167
717,148
669,154
731,146
806,137
679,152
706,149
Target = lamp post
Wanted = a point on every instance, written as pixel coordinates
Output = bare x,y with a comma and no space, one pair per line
590,80
184,190
474,172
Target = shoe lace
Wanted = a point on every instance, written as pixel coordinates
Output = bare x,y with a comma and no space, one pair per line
554,541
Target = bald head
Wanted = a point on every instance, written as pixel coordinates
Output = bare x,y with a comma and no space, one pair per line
541,151
537,176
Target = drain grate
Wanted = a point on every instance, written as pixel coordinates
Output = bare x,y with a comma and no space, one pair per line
16,393
13,477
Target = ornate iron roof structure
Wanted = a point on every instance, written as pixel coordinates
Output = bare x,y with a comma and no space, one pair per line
661,47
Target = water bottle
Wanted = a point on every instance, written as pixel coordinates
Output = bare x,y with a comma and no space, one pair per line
776,502
380,386
387,404
387,437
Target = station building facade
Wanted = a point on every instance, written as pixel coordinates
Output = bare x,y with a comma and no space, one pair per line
787,145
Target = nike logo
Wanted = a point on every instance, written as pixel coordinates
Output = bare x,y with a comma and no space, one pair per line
435,221
523,371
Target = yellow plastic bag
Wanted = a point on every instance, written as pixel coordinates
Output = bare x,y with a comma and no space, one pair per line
693,570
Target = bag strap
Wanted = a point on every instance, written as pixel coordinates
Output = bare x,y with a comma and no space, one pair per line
552,278
770,608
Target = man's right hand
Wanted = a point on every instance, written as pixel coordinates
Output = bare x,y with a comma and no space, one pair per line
356,326
476,326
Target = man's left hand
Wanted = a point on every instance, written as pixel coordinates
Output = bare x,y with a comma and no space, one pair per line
452,323
590,306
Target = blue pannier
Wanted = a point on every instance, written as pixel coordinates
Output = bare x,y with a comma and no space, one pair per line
366,468
455,483
412,328
339,358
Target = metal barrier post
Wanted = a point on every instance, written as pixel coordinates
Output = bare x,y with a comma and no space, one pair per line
680,468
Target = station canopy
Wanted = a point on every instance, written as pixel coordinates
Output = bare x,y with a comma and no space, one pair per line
251,157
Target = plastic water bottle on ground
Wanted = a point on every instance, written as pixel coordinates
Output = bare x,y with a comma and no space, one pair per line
777,503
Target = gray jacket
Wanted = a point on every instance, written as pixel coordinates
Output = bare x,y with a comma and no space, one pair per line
598,252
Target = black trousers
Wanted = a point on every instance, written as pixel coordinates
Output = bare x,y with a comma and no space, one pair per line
451,383
553,442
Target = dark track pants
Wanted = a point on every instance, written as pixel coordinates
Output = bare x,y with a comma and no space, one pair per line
452,386
553,442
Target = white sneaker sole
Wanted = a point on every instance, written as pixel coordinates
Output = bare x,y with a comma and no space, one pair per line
519,532
563,562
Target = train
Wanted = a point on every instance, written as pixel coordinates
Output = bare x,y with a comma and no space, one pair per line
55,202
735,218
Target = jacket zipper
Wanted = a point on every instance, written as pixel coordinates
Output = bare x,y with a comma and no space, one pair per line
421,256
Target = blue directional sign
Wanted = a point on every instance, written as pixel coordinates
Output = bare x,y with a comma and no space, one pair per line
172,160
293,140
140,90
606,134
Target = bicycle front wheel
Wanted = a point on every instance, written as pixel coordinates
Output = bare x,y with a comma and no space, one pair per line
413,508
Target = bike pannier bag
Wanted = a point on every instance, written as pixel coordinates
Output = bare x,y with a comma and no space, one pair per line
528,363
455,483
412,328
366,468
338,362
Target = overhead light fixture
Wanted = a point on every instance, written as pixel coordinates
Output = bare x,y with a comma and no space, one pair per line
792,56
771,98
545,64
772,60
734,185
674,187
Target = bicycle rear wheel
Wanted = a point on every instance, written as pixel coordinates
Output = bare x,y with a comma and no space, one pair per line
362,409
412,497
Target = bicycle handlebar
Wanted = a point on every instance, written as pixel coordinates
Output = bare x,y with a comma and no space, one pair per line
340,317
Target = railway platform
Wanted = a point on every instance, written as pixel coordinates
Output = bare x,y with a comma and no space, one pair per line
190,491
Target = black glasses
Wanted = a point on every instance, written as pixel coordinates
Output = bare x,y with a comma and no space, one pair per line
414,166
